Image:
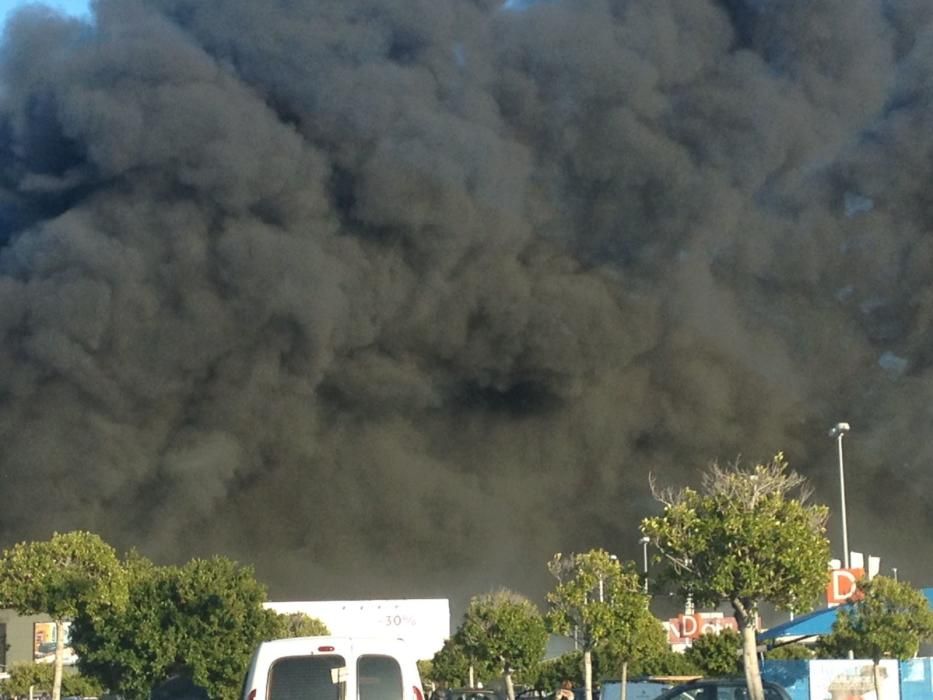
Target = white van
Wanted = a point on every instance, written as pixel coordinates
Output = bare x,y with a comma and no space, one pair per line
333,668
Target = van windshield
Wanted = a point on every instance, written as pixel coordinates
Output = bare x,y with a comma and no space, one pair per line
307,678
379,678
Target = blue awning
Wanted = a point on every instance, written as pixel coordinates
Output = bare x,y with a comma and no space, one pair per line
813,624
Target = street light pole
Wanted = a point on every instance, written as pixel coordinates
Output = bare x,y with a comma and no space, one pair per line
644,553
837,432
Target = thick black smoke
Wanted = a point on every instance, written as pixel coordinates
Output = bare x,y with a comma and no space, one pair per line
400,297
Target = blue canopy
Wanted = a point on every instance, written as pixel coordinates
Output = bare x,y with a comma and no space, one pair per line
813,624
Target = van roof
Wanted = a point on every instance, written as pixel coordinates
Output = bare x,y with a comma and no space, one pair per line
330,638
310,645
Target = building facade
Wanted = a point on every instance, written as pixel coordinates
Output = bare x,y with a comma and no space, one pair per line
22,637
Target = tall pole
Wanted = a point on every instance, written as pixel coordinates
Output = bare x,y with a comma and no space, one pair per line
837,432
644,554
842,501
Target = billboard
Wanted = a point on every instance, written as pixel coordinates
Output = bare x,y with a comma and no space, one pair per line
423,623
44,641
844,679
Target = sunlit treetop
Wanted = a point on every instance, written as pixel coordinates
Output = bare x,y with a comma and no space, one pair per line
746,536
888,619
61,576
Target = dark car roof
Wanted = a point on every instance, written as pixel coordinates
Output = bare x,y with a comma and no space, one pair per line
471,694
771,688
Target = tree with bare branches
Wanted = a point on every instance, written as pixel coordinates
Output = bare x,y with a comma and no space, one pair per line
747,536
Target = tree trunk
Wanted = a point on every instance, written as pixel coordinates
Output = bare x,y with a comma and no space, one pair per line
472,681
59,659
588,673
750,658
624,689
509,686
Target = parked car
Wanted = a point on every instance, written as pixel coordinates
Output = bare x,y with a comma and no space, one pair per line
720,689
471,694
532,694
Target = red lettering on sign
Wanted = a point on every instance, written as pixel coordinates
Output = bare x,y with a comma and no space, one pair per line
684,627
843,583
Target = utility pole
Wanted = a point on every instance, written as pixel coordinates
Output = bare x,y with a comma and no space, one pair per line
837,432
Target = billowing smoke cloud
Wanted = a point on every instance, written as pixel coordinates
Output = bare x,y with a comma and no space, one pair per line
399,297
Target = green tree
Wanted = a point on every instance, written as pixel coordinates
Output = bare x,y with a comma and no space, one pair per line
744,539
25,676
129,650
716,654
669,663
40,677
569,666
637,640
506,631
221,620
551,672
451,664
887,619
791,652
71,574
201,621
637,637
426,671
602,602
299,625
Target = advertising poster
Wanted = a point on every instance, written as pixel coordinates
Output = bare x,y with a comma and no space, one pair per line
917,679
842,679
44,640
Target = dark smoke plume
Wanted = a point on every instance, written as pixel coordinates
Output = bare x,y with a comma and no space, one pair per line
400,297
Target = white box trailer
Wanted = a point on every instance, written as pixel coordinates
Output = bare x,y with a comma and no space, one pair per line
423,623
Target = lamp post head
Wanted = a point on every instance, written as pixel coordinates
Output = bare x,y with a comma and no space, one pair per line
644,540
839,429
